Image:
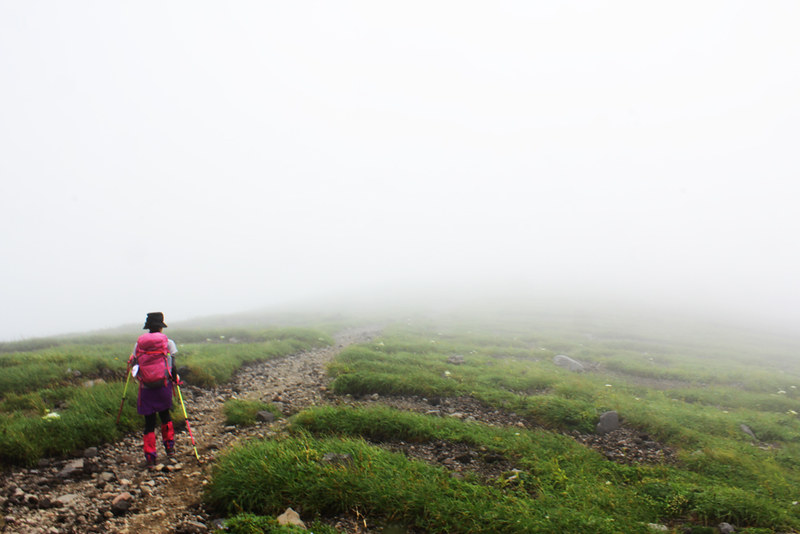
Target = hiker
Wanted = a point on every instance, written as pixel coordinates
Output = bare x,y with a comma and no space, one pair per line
153,364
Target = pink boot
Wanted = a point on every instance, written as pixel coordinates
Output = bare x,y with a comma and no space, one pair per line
150,448
168,436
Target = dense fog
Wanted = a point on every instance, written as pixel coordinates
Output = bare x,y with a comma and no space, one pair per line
199,158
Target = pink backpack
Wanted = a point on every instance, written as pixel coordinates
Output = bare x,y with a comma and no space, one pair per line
152,356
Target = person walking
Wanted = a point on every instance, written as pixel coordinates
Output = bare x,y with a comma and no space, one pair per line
153,364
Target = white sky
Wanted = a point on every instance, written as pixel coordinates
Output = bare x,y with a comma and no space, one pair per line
201,158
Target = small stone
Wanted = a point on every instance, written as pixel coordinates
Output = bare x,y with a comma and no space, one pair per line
609,421
456,359
265,416
726,528
66,500
565,361
338,459
191,527
72,469
290,517
121,503
746,429
91,452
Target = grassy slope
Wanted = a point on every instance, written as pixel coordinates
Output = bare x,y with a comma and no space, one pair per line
690,392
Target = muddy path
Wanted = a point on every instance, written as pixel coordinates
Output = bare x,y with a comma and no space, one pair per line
107,490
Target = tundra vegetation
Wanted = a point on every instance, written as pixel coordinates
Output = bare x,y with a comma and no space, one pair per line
64,395
688,388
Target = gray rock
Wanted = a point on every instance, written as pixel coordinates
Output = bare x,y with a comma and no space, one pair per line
726,528
568,363
456,359
338,459
121,503
66,500
290,517
91,452
265,416
609,421
191,527
746,430
72,469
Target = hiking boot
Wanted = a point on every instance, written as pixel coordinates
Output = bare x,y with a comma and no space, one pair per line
168,436
149,462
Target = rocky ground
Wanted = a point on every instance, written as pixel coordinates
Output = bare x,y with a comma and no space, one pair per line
107,490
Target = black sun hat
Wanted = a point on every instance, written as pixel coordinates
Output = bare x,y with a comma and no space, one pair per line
154,320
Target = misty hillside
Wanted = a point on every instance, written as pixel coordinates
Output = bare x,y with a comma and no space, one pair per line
504,421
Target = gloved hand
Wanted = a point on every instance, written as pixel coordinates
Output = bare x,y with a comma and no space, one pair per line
176,377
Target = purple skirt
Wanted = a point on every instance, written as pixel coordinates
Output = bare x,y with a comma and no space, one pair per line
154,400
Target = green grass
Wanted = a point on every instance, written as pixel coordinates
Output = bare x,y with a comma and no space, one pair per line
682,386
693,396
264,478
87,418
53,380
561,486
523,386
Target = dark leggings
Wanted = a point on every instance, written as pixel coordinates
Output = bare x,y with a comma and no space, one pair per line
150,421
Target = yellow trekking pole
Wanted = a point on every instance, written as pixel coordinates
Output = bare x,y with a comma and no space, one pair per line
124,394
186,417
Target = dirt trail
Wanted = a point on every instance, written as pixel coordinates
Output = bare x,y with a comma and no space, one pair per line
52,499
